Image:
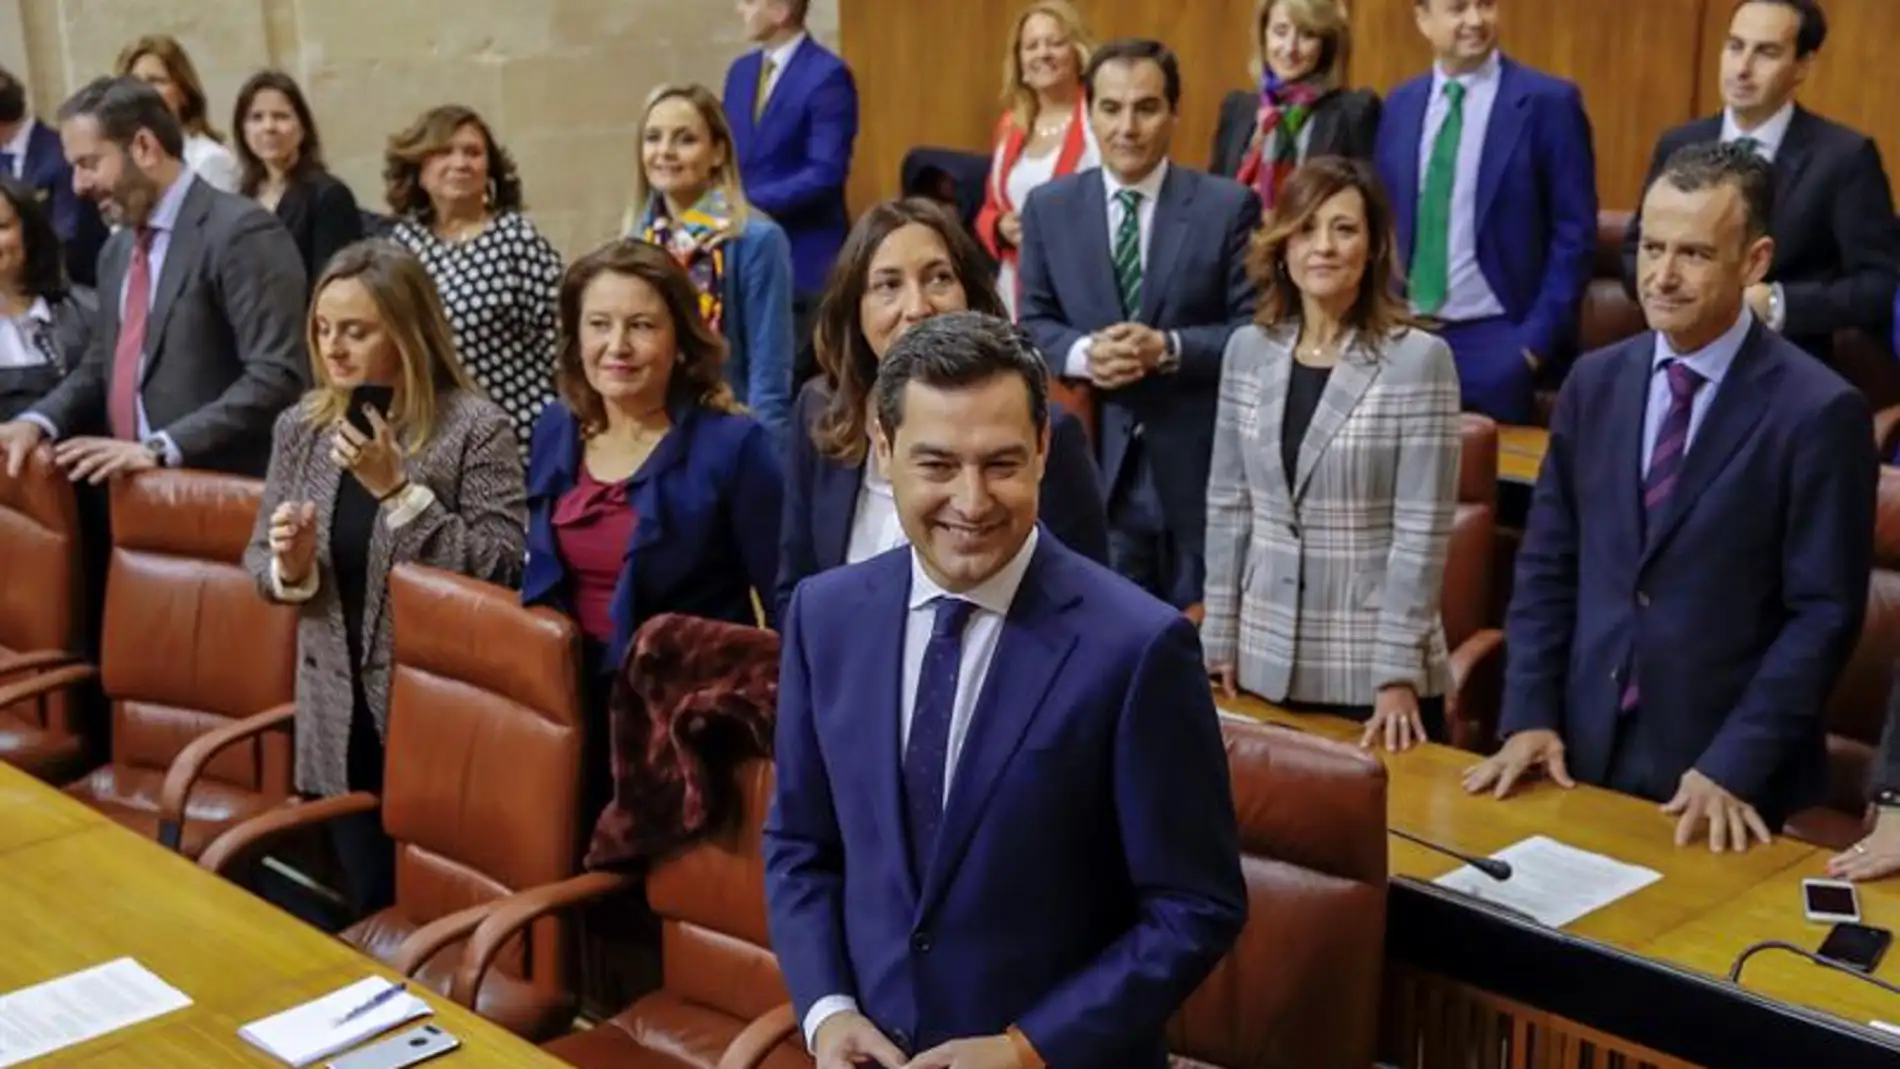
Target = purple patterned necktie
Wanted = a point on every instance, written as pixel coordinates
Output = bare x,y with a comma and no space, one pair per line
1665,464
927,753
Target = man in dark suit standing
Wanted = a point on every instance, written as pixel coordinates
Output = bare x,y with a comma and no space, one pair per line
1695,564
200,339
1493,182
1837,245
30,152
1003,834
1133,279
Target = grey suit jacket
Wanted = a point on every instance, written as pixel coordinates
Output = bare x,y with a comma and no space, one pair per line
224,351
1329,589
477,526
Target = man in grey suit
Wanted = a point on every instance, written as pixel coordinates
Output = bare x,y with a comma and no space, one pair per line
1133,278
199,343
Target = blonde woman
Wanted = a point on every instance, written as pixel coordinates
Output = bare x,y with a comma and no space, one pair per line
395,456
1300,109
1045,133
687,199
161,62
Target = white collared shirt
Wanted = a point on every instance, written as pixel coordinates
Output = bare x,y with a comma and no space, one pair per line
17,145
1712,362
875,528
1076,364
1468,295
777,57
992,598
20,336
1768,136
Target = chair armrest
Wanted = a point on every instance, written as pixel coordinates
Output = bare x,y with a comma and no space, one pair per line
756,1043
258,831
1470,662
191,761
427,941
1886,429
34,660
45,683
509,915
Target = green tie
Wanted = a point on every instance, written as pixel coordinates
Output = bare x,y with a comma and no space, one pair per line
1128,251
1431,245
1749,143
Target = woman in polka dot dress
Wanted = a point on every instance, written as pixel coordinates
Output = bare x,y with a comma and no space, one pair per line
457,200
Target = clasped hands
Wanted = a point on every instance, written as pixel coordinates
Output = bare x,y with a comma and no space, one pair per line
848,1039
1124,353
1732,823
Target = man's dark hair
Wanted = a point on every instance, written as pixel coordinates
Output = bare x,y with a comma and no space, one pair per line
1134,50
1694,168
122,107
1813,31
12,98
959,349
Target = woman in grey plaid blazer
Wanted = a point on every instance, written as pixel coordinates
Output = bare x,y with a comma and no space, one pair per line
394,457
1334,474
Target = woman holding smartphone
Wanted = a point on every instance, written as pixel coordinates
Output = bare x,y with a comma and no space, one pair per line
394,457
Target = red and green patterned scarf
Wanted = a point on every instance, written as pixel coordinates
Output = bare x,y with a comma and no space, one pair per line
1284,106
696,239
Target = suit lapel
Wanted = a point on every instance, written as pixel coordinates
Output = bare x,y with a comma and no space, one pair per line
790,84
834,508
647,492
1501,136
1351,377
883,676
1274,376
1098,258
1791,159
183,249
1629,401
1739,404
1035,643
1408,118
747,83
1164,242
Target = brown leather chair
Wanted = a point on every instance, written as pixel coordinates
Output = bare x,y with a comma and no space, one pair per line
481,791
1467,606
1609,314
40,622
1857,709
1302,985
198,669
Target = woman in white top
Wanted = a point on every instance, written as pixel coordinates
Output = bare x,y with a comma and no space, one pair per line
1045,133
45,325
160,61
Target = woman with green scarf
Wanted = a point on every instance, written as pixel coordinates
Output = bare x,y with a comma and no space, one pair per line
688,200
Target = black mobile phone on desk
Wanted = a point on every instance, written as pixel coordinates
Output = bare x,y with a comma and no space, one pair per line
377,397
1857,946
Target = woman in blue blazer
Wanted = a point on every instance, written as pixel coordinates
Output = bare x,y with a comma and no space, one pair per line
649,491
905,261
688,201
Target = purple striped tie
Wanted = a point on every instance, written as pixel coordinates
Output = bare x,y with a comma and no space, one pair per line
1665,463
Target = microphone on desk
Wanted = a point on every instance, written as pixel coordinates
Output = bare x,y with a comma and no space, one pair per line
1735,970
1495,868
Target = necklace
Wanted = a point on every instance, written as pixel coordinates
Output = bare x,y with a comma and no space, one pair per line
1052,129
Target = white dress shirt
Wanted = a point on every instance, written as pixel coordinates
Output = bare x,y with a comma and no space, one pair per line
1468,296
1768,138
214,163
1076,364
777,57
21,336
17,145
992,597
875,528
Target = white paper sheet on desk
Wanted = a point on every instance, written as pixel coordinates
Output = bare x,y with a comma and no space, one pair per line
308,1033
80,1006
1553,882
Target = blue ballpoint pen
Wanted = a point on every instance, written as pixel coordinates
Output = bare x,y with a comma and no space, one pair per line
381,997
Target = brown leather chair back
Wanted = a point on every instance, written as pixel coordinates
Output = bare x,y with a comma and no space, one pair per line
1858,707
1609,314
481,791
1466,604
1302,985
189,646
40,597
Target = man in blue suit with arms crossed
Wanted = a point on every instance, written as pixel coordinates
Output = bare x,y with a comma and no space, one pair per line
1004,834
1493,183
1695,564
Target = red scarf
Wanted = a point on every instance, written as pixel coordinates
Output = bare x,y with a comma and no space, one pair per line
1282,105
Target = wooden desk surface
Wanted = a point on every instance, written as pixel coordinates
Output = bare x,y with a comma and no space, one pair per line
78,891
1521,453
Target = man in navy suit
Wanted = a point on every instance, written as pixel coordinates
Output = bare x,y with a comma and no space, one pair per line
1003,834
1133,278
793,108
1493,183
1695,564
30,152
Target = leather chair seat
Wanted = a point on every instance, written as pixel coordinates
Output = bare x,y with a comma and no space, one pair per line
43,754
507,1000
129,795
664,1031
1830,829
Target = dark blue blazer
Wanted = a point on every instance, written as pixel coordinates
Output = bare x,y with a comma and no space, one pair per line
1537,197
707,536
1087,871
821,496
1738,606
1195,284
796,157
81,232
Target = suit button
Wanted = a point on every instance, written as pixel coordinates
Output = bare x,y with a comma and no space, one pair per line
1293,529
902,1039
1642,599
920,942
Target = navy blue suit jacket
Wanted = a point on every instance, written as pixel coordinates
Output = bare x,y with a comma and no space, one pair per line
795,158
1738,606
1087,873
1537,197
1194,284
707,533
81,232
821,496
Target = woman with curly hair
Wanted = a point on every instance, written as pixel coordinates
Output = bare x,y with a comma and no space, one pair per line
457,201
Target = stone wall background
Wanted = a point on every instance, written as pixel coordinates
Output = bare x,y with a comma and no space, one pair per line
561,80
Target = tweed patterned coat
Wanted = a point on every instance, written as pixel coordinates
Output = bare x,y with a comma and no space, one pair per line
476,525
1328,589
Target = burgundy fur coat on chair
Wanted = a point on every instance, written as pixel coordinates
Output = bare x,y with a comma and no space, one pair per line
695,698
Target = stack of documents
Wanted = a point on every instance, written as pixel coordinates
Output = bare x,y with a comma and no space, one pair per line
84,1005
306,1034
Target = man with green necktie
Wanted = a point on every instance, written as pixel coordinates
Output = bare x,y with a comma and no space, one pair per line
1493,182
